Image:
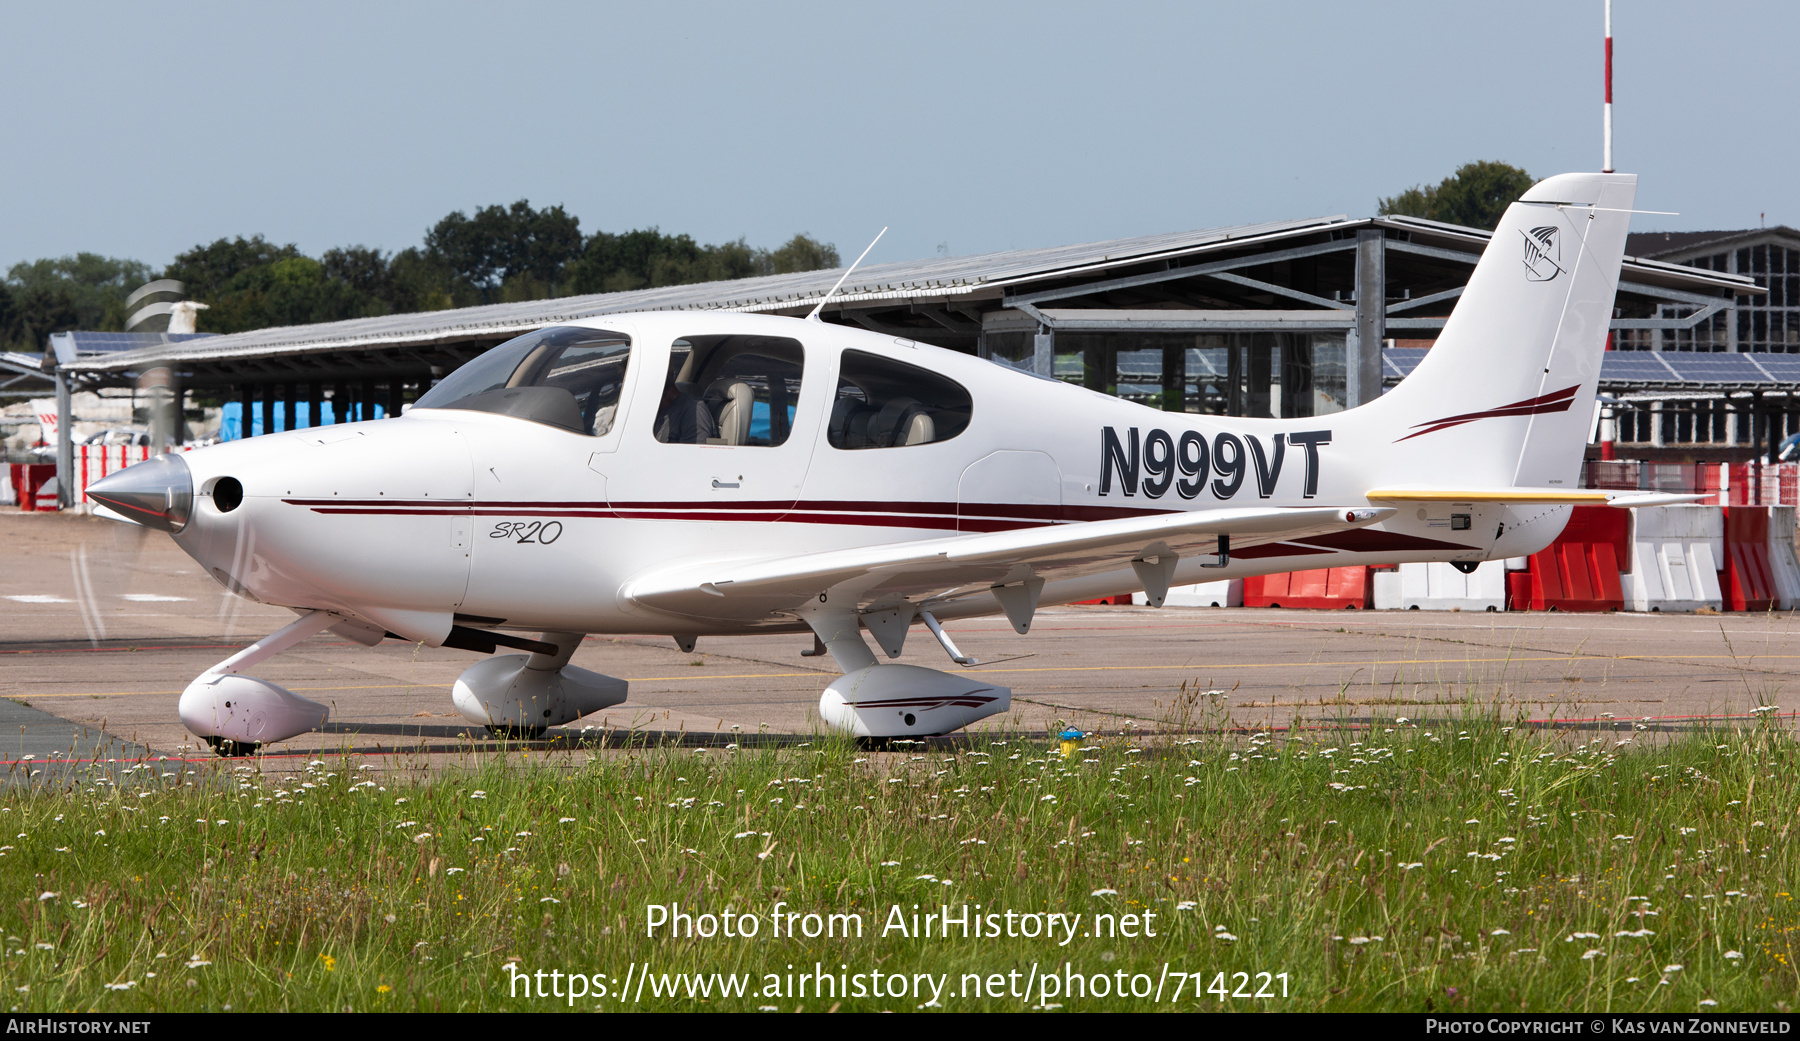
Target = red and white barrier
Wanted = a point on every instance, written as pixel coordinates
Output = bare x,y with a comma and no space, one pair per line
93,462
1322,589
1580,570
28,480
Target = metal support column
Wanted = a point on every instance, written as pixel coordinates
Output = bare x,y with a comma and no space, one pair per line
1174,378
65,443
1364,376
1098,367
160,403
1043,353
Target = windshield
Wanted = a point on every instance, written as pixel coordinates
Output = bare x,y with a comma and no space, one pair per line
564,376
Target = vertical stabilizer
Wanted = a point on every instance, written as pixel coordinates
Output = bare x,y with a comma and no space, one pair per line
1506,394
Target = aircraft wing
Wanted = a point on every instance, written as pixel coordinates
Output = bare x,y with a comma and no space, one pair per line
945,568
1624,499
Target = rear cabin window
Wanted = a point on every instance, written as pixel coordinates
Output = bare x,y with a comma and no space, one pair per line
883,403
730,390
562,376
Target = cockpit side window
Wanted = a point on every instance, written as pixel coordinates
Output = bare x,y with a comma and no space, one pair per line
882,403
731,390
563,376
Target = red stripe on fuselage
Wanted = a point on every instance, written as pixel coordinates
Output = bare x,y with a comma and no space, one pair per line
930,516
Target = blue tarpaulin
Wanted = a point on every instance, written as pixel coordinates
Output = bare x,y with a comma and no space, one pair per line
231,425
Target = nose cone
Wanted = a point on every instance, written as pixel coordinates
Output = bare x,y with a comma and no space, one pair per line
157,493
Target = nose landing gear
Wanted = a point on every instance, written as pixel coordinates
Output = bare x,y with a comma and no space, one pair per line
236,714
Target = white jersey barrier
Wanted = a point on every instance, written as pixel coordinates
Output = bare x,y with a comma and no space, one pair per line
1782,561
1440,587
1676,552
1208,594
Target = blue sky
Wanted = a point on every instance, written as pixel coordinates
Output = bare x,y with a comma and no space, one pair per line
141,130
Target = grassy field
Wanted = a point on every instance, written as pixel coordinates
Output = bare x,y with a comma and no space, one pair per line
1414,866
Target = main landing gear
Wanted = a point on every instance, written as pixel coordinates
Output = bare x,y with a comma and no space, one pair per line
520,695
878,703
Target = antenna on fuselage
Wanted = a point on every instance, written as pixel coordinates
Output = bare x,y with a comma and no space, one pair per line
813,316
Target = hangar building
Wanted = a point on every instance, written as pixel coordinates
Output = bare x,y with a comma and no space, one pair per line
1287,318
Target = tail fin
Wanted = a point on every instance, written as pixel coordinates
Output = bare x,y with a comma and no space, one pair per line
1505,396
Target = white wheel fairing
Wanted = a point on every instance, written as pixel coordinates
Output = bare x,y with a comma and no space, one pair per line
247,710
908,701
503,692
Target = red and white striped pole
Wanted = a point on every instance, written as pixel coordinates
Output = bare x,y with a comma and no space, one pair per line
1606,148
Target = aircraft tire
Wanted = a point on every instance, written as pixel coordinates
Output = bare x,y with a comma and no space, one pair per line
517,733
232,749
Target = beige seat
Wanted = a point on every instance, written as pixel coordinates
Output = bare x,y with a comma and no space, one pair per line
902,421
917,429
734,414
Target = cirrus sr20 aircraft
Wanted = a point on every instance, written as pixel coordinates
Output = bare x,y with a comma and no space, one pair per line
701,473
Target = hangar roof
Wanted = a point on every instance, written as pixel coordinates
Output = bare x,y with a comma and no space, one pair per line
957,282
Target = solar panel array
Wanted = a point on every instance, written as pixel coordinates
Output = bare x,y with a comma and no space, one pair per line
1625,368
110,343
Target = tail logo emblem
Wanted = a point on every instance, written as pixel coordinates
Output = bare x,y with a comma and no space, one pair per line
1543,254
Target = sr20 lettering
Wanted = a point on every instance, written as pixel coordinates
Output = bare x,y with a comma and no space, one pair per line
540,533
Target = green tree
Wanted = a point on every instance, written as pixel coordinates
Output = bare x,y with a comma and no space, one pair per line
421,282
647,258
211,271
804,253
499,244
42,310
501,253
1475,196
89,285
253,284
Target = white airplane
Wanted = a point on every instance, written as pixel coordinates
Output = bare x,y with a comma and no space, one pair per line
703,473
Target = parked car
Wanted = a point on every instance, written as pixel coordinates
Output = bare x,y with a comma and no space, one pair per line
119,436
